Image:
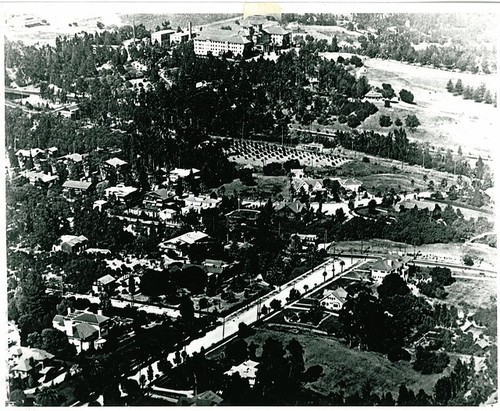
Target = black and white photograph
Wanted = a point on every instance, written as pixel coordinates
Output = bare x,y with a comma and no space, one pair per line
249,204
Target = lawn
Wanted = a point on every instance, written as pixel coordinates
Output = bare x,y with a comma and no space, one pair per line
350,368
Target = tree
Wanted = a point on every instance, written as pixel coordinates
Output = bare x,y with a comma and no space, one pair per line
392,285
450,86
406,96
385,121
458,87
429,362
372,205
468,260
186,310
353,121
236,351
275,304
412,121
111,395
398,122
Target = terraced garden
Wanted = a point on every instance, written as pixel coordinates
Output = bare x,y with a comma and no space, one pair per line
258,153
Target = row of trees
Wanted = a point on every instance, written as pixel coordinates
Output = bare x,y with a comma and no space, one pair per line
479,95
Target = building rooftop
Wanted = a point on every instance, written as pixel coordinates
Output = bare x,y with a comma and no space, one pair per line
223,36
184,172
120,190
73,239
115,162
275,29
89,318
80,185
106,279
84,331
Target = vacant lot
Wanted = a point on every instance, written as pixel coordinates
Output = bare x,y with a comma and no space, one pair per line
471,294
447,121
349,369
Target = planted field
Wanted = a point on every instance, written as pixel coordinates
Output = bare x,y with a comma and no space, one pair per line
349,369
259,153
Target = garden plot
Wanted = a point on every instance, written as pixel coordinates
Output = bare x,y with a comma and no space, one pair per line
259,153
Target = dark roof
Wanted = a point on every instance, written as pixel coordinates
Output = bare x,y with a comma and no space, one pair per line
91,318
161,193
84,331
58,319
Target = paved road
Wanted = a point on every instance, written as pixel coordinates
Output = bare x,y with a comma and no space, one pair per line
248,314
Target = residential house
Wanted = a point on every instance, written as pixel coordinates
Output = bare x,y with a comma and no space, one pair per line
157,199
84,329
242,217
73,189
315,186
299,185
290,210
114,167
333,300
351,184
169,216
73,158
374,95
121,193
382,268
101,205
307,239
23,361
71,244
36,178
297,173
179,246
23,156
177,173
200,203
247,370
106,283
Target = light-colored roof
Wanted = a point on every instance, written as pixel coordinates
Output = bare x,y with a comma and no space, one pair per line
30,152
188,238
120,190
223,36
81,185
298,183
247,369
385,265
160,32
162,193
373,94
274,29
22,365
184,172
208,200
339,293
73,157
115,162
73,239
106,279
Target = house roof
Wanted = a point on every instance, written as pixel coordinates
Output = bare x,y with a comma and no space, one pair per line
58,319
115,162
223,36
81,185
167,31
188,238
73,239
77,158
84,331
386,265
120,190
162,193
373,94
22,365
90,318
33,152
296,206
351,182
339,293
210,396
247,369
106,279
298,183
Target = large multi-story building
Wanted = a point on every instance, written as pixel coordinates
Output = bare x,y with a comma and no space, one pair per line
219,42
162,37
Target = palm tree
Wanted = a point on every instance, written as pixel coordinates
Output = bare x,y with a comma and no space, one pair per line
324,275
306,288
342,263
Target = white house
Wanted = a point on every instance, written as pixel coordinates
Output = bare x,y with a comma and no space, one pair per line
333,300
382,268
246,370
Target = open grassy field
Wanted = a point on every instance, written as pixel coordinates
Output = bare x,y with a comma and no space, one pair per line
350,368
472,294
447,121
